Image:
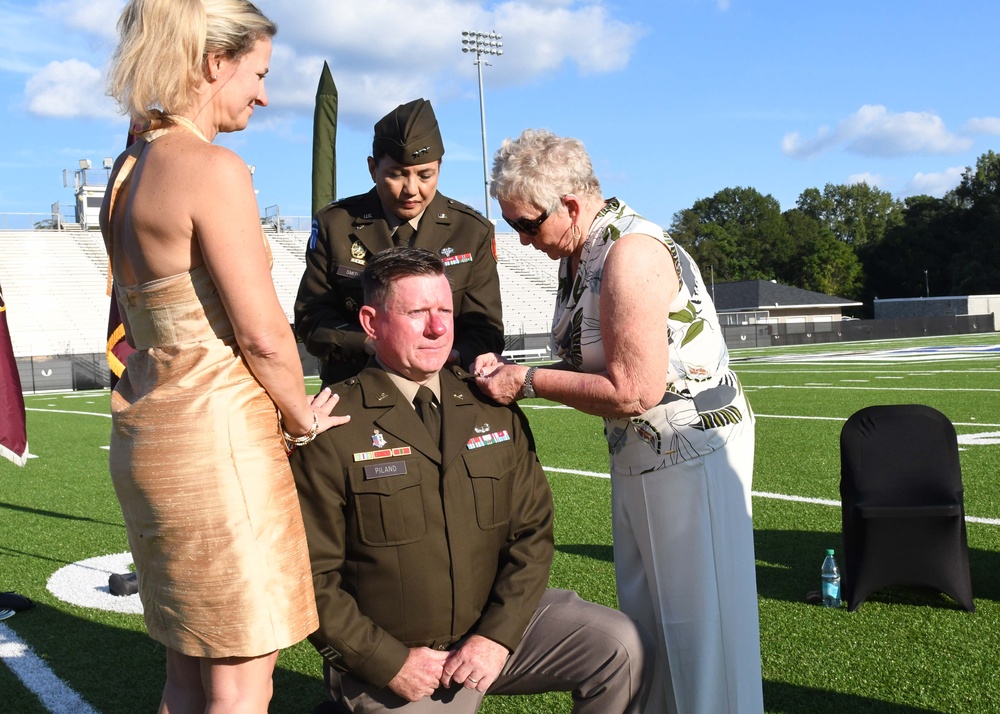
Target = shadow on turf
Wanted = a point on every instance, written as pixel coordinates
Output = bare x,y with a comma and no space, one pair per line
122,671
54,514
784,698
788,567
588,550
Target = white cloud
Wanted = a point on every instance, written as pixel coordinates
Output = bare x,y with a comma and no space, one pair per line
934,184
874,131
873,180
68,89
983,125
95,17
419,52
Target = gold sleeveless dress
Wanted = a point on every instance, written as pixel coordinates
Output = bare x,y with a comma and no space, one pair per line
199,468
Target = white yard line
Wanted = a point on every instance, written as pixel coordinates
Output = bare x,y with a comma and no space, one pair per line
54,694
775,496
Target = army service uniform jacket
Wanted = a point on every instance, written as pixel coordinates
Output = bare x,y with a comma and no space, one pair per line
346,233
412,545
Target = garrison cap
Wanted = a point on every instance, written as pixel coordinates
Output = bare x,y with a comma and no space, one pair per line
409,134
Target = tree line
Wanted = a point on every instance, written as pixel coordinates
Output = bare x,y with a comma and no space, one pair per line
854,241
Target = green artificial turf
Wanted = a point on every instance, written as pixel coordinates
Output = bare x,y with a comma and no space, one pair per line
906,650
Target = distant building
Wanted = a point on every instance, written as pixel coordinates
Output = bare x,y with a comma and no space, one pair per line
896,308
750,302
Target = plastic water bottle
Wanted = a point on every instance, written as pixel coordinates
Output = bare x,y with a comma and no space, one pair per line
830,574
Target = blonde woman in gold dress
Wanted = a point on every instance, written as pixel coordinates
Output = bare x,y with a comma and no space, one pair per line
214,394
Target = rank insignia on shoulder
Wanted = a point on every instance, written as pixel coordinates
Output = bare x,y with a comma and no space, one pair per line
478,442
358,252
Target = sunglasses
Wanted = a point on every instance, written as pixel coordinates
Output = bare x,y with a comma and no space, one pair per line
526,226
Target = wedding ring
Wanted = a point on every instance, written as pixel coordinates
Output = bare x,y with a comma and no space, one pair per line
474,681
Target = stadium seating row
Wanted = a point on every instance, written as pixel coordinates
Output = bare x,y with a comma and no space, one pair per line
55,286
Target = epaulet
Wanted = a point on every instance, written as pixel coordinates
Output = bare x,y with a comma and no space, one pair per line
342,202
458,371
468,210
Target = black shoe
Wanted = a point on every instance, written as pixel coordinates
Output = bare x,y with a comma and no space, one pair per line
127,584
15,602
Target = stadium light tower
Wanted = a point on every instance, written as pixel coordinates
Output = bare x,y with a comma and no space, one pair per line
483,43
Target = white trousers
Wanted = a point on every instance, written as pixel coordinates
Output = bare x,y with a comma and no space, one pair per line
685,570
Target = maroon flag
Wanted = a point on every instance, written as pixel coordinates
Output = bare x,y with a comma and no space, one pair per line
117,349
13,433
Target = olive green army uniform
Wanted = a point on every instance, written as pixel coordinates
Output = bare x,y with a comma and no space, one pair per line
347,233
416,545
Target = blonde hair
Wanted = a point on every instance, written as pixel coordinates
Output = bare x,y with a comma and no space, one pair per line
540,168
160,59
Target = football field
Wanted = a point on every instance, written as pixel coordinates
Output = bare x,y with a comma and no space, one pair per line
905,651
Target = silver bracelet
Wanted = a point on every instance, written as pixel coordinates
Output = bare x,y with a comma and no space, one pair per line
292,441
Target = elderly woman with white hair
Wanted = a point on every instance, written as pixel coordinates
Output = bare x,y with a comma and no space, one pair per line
640,345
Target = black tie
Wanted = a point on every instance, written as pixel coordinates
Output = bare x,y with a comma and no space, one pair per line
403,233
428,413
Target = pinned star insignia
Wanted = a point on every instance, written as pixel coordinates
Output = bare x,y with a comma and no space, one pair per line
482,429
378,440
358,253
446,251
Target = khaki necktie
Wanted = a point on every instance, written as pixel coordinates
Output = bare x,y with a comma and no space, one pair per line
428,412
403,234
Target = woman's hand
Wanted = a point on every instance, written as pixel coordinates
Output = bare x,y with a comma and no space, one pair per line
486,363
322,405
502,382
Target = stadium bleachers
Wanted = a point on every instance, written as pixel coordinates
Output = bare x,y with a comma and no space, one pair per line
55,287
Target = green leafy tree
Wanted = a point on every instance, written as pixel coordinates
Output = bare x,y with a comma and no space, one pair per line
857,214
738,232
925,240
821,263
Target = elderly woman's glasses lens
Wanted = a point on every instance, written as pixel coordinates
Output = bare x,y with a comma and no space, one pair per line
526,226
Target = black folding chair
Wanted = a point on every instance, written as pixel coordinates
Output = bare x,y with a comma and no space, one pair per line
903,509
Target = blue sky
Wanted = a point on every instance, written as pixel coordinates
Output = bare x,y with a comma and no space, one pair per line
674,99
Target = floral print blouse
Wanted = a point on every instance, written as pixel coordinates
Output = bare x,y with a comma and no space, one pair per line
703,402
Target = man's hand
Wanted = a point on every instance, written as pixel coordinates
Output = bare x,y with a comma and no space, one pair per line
476,664
421,674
